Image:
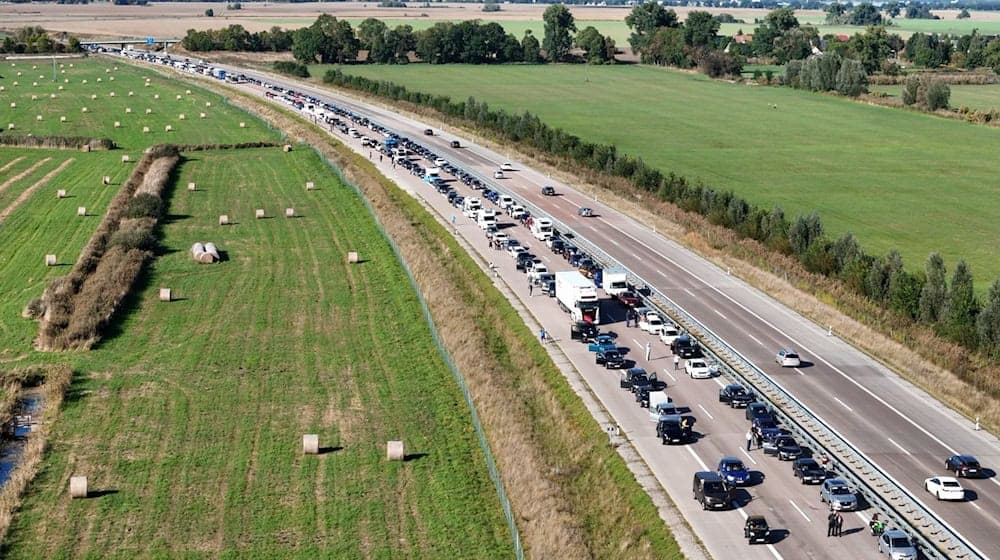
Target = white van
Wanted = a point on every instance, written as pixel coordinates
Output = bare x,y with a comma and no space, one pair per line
541,228
471,207
505,201
486,218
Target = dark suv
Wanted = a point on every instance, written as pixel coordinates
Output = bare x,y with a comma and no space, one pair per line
632,377
583,331
674,428
736,395
711,491
685,347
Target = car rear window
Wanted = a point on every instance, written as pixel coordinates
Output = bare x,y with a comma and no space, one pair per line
950,484
792,356
714,487
900,542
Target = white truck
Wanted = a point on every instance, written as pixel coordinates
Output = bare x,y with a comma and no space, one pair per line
471,207
505,201
486,218
614,283
659,405
578,295
541,228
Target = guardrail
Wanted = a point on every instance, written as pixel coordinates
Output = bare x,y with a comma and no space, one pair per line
935,537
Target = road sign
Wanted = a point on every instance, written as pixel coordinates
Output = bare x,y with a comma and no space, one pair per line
149,41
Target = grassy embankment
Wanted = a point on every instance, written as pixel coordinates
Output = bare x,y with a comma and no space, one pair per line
983,98
896,179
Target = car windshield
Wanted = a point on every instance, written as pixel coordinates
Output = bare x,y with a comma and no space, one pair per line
714,487
899,542
839,490
809,464
697,364
737,391
734,467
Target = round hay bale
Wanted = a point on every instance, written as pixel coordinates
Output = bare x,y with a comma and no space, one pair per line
198,247
125,159
93,96
118,124
148,110
287,147
352,257
15,83
181,116
128,110
19,73
156,96
107,70
60,88
111,79
259,213
145,129
201,115
50,260
165,294
310,185
208,103
211,249
34,84
145,84
289,212
10,126
112,94
61,193
52,96
131,93
106,180
178,97
394,451
62,119
205,258
13,105
38,117
223,220
34,97
168,128
310,444
78,487
243,125
81,211
2,88
84,110
187,92
83,81
99,80
191,186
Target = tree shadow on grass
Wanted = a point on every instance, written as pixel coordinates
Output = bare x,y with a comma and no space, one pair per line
413,457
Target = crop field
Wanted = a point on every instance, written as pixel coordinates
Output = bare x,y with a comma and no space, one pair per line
896,179
189,417
87,78
984,97
35,223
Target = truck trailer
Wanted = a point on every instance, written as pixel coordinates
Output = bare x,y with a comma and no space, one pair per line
578,295
614,282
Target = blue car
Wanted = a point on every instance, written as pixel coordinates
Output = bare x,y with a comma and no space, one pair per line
602,343
733,471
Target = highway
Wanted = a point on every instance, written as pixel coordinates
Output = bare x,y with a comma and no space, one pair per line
907,433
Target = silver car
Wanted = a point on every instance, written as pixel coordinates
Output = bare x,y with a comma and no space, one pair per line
838,495
896,545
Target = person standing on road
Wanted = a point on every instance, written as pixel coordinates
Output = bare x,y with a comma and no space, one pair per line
649,350
758,440
542,335
530,287
831,524
838,524
628,318
749,439
677,362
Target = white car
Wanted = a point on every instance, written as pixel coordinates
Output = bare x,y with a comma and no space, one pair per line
698,368
651,323
668,333
440,162
516,212
788,358
537,270
501,239
945,488
507,166
498,174
515,248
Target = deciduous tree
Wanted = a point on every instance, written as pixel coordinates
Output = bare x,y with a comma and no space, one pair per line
559,27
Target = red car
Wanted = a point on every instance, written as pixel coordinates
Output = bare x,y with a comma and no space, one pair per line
628,299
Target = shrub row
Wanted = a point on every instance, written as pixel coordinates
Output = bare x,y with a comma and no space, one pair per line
951,308
291,68
57,142
76,307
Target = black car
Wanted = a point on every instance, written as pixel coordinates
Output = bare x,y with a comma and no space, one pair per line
685,347
612,359
786,448
523,259
456,144
548,190
808,470
557,246
756,530
428,132
631,376
757,410
582,331
642,396
736,395
674,428
963,465
549,289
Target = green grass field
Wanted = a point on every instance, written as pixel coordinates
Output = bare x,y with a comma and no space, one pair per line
896,179
220,125
975,97
191,417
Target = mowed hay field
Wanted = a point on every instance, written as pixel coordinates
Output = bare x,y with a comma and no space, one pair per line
189,419
896,179
221,123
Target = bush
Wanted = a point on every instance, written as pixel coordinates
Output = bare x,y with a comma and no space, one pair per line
937,95
141,239
910,90
291,68
210,13
144,206
890,68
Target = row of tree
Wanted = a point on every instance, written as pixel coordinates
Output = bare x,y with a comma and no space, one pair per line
659,37
952,309
34,39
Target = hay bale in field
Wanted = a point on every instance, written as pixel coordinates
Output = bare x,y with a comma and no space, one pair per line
310,185
191,186
223,220
125,159
2,88
148,110
99,80
168,128
287,148
10,126
61,193
178,97
118,124
85,148
394,451
187,92
106,180
34,84
66,80
128,110
84,110
197,249
352,257
50,260
181,116
93,96
131,93
83,82
310,444
145,129
165,294
156,96
243,125
13,105
201,115
289,212
81,210
60,88
52,96
34,97
145,84
208,103
259,213
112,94
211,249
62,119
18,73
111,79
38,117
78,487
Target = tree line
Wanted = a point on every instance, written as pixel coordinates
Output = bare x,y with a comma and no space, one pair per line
34,39
927,297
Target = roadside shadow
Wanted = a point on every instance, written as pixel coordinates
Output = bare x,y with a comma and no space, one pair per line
970,495
413,457
741,498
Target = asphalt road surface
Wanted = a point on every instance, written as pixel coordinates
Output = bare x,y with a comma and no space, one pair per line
906,432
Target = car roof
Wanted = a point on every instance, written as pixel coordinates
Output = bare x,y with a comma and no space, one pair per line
730,459
896,533
966,458
835,482
943,479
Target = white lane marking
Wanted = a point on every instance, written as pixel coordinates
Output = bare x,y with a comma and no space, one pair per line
710,417
718,382
615,242
754,338
637,343
799,371
901,448
701,463
717,312
635,255
661,273
674,379
843,405
976,506
791,339
802,513
995,481
748,455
